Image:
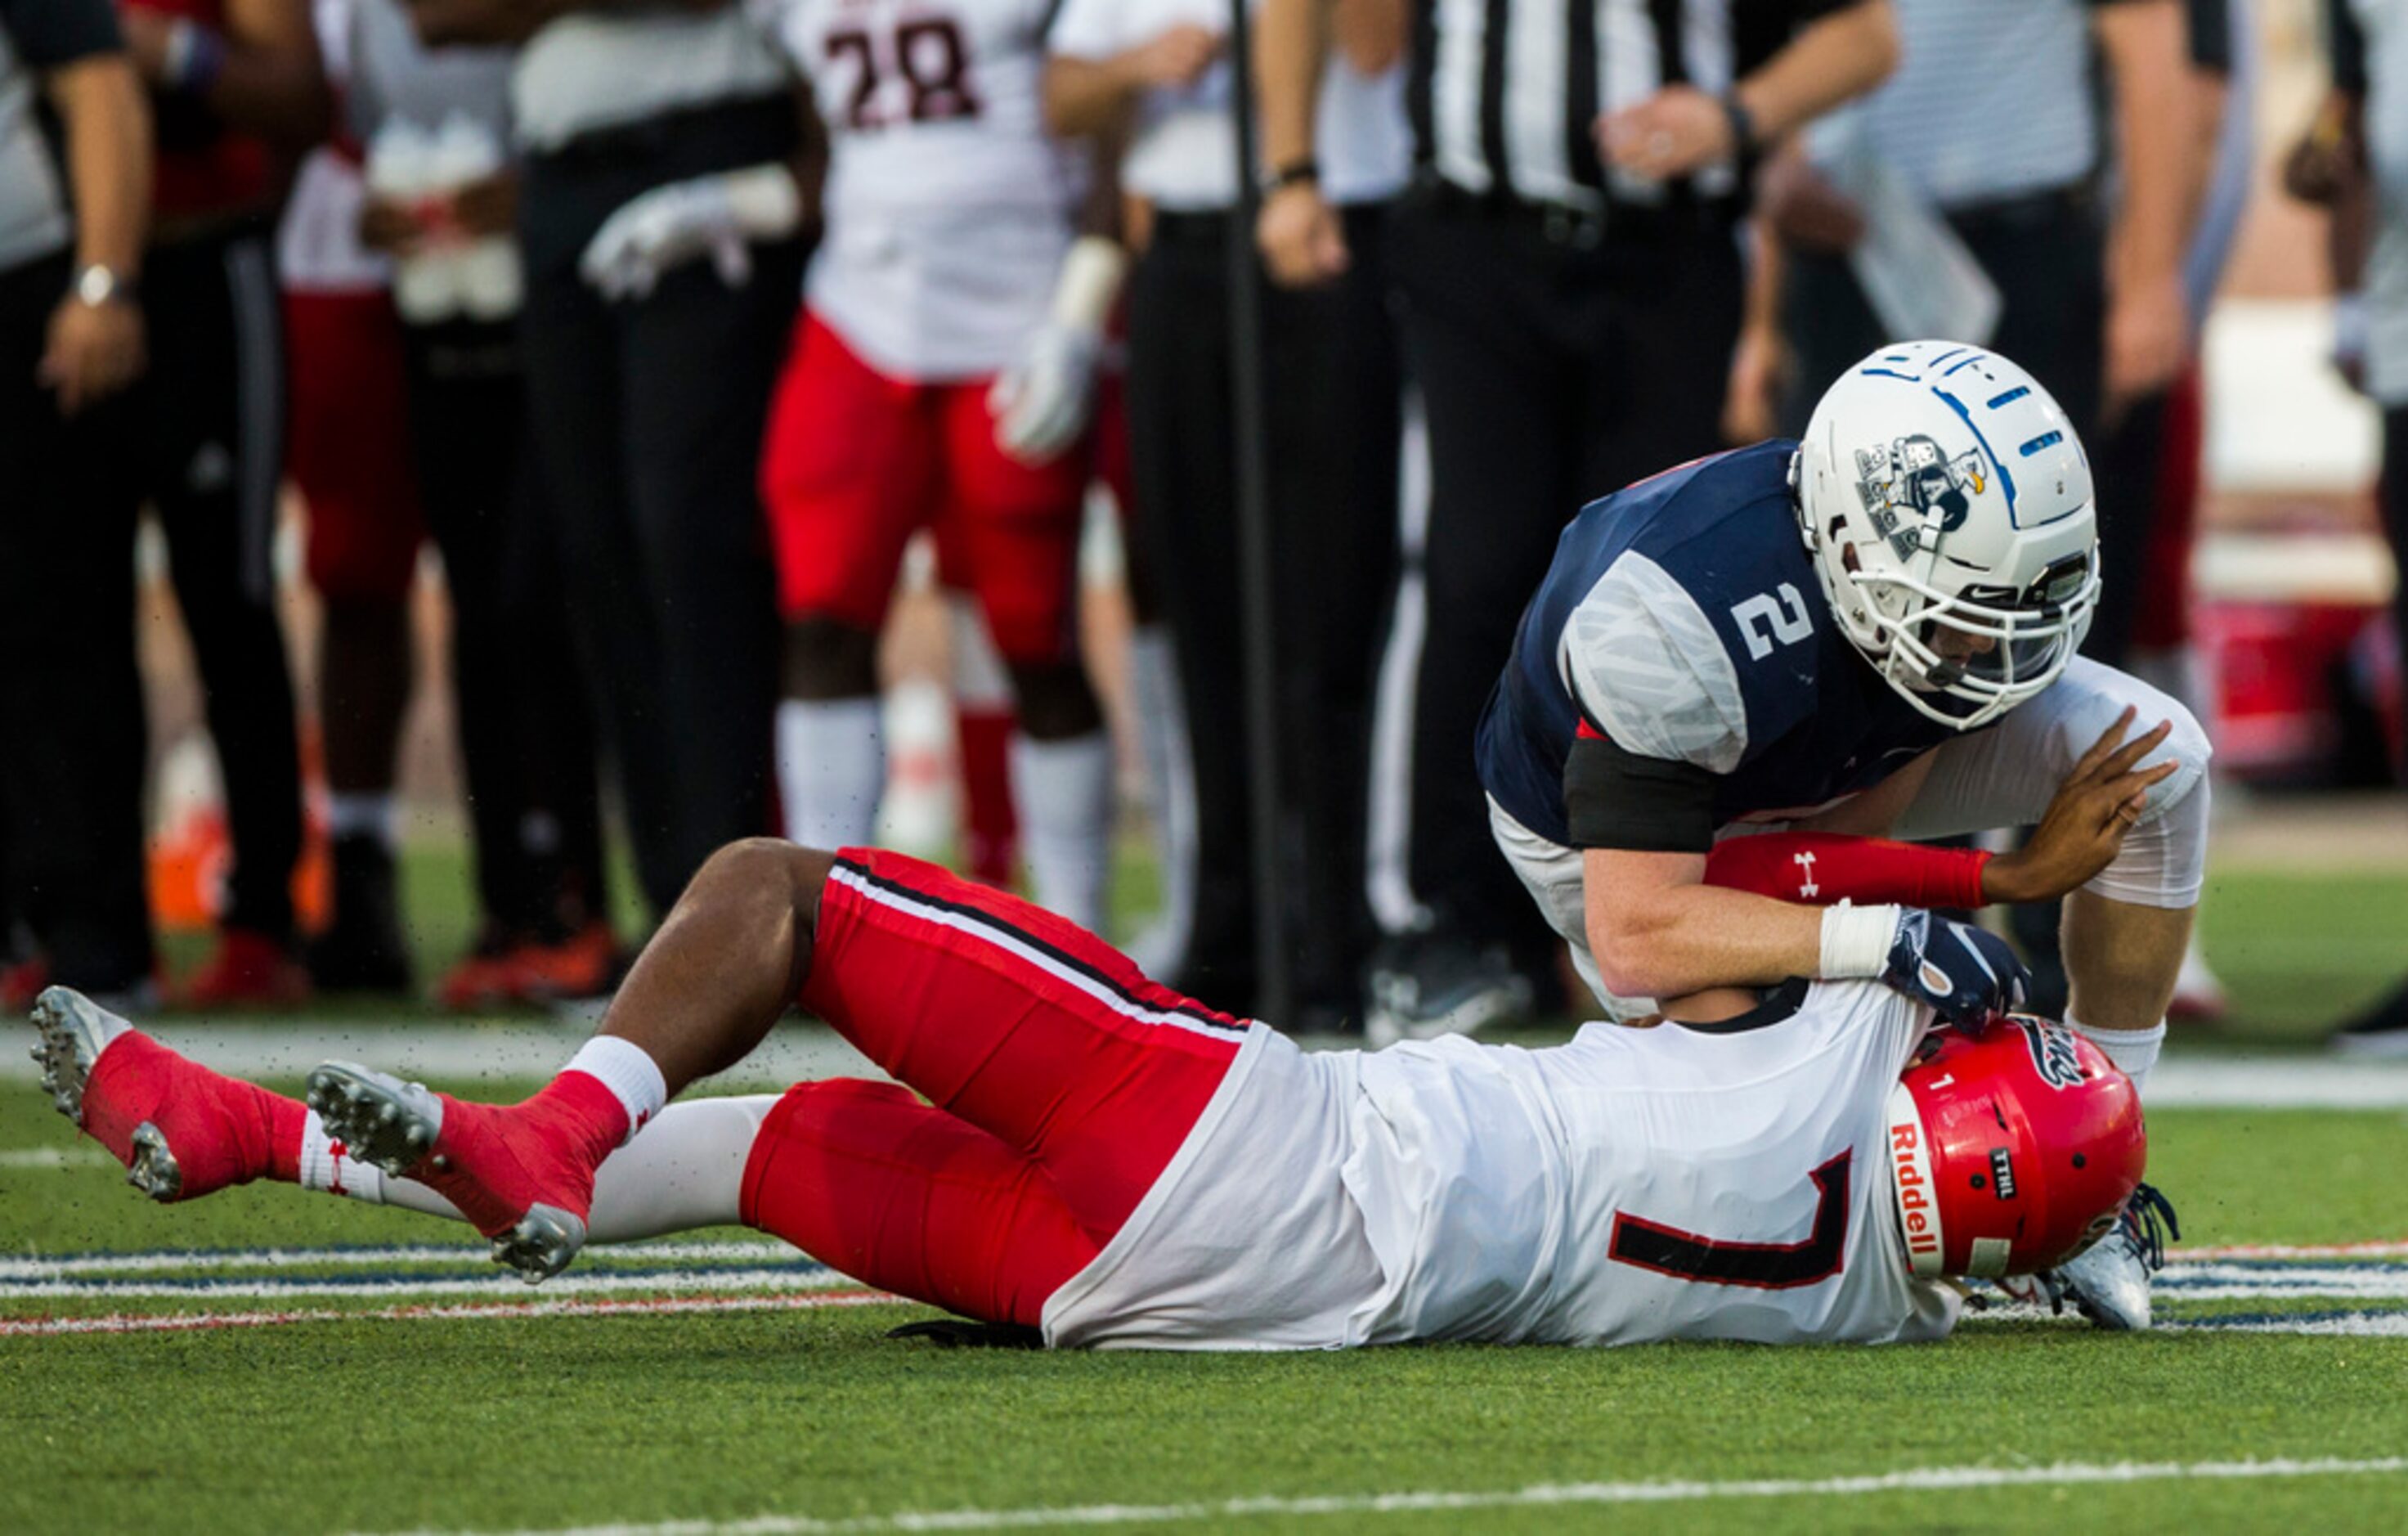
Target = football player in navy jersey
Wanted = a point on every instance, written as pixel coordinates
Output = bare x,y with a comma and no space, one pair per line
1869,631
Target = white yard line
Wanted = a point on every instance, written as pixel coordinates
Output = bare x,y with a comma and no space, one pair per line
692,1282
1916,1480
482,1311
175,1260
56,1157
457,1053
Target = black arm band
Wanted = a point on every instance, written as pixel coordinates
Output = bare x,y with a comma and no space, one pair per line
1614,799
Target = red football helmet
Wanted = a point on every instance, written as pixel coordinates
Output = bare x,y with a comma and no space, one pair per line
2012,1150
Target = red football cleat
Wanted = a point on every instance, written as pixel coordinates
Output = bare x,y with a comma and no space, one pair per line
22,981
181,1129
579,965
523,1173
248,971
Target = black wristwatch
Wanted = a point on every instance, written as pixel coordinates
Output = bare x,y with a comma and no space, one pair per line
1742,124
1296,173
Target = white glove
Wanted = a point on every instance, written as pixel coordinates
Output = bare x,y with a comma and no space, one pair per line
661,230
1042,402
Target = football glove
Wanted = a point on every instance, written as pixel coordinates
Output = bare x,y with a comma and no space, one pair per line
1042,404
656,232
1964,973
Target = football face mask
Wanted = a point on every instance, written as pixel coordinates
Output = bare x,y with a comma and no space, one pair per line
1948,509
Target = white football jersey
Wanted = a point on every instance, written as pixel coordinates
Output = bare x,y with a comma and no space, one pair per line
1631,1185
948,207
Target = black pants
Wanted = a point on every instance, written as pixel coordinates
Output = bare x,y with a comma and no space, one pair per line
1333,394
2395,518
211,458
2127,465
526,732
71,724
2045,255
647,420
1553,374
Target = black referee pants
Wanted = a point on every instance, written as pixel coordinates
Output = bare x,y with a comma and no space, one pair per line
1334,398
527,731
647,420
1551,374
211,461
71,768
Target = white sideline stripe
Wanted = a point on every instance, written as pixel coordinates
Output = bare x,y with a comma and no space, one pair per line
1915,1480
2363,1325
797,1053
2201,1281
2285,1250
295,1258
193,1321
701,1281
56,1157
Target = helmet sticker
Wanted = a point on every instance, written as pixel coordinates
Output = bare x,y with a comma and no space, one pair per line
2052,1053
1905,485
2002,1173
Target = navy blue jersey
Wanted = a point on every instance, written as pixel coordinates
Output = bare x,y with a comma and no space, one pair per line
1682,618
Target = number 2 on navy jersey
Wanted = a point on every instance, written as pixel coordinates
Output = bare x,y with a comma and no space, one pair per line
927,52
1765,623
1724,1261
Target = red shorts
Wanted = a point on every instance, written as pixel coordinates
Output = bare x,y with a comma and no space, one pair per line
854,462
348,443
1060,1083
2161,619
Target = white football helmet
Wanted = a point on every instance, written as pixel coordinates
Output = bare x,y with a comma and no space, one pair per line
1947,505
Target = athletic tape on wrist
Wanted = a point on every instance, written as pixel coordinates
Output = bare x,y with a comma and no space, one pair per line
1857,941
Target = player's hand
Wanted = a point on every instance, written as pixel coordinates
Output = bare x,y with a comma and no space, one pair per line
1041,403
1963,973
2084,827
1805,209
390,225
1175,59
2148,338
1673,132
652,234
1760,374
94,350
1302,241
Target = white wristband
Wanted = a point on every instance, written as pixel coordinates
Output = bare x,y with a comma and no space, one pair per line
767,203
1856,939
1090,280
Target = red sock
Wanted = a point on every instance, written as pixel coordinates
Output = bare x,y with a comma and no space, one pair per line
581,1107
223,1130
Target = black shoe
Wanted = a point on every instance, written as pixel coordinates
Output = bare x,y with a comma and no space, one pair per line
362,950
2382,1030
1443,986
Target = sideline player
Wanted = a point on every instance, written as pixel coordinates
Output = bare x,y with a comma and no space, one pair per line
943,370
1869,631
1101,1158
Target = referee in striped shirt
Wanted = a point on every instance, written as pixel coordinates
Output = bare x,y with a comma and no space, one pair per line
1572,289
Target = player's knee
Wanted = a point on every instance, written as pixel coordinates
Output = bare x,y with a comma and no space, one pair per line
827,659
2187,747
1055,700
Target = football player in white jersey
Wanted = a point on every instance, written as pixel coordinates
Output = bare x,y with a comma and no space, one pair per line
1074,1149
942,372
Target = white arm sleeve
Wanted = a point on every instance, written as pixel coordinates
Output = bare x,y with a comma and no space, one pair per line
1645,663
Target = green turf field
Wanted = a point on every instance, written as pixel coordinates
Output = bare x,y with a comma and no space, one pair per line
365,1373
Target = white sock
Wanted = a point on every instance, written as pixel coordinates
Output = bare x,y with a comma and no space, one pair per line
686,1173
1170,793
353,815
2133,1051
1063,791
831,770
980,681
327,1165
628,1071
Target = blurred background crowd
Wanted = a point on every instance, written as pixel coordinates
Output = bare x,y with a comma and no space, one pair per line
574,426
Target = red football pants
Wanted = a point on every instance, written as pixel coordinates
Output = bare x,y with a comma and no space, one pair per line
1060,1084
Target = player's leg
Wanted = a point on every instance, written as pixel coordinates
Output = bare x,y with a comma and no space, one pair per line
349,456
1018,528
2125,931
865,1177
183,1131
845,474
